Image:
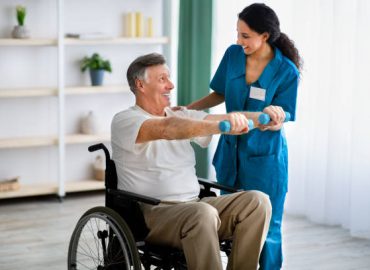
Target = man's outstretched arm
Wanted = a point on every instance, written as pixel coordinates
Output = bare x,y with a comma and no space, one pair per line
178,128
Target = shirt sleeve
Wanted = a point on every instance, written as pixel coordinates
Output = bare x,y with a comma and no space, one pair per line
286,94
199,115
125,129
193,114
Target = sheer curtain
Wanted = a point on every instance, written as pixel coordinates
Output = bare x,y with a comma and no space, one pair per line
329,144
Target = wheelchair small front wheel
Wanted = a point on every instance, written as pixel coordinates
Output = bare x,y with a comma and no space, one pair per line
102,240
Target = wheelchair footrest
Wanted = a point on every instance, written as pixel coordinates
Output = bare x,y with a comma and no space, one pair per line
161,256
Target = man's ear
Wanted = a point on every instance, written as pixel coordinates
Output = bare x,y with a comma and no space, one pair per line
139,85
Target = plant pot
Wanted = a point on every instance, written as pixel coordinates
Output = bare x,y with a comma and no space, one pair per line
96,76
20,31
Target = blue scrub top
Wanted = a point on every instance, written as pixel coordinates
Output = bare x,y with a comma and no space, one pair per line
257,160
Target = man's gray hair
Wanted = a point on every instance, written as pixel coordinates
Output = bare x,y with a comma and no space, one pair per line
137,69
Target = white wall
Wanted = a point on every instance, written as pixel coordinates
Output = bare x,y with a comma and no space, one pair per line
329,146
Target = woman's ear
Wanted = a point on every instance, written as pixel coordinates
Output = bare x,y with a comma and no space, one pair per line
265,36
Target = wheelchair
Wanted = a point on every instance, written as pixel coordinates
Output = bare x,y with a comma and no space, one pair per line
112,237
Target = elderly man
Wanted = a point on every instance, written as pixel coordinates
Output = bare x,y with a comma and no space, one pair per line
154,157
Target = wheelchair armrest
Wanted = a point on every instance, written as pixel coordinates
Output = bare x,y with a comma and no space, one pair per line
211,184
133,196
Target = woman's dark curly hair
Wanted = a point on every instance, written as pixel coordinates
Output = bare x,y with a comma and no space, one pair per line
262,19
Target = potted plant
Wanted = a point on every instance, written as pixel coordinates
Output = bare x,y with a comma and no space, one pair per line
96,65
20,30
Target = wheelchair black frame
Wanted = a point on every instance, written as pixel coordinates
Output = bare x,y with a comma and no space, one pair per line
127,205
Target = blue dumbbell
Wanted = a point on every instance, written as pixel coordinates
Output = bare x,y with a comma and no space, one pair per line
264,118
225,126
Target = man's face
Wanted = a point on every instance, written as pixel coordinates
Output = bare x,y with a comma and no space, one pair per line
157,86
250,40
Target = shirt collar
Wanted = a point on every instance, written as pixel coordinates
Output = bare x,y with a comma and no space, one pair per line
238,69
270,70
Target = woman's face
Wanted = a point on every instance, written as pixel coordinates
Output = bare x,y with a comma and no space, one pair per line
250,40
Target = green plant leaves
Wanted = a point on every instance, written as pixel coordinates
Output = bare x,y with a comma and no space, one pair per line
21,14
95,62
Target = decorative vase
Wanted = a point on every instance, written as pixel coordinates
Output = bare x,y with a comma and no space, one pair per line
89,124
20,31
96,76
99,168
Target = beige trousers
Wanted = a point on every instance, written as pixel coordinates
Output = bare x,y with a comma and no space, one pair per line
197,227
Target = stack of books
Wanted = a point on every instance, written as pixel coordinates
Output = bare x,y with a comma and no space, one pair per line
9,184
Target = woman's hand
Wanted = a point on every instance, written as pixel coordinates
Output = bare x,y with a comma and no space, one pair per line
277,116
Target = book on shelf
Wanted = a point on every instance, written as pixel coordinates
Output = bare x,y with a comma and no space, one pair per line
9,184
92,35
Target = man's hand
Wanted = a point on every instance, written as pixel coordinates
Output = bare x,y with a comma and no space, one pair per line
277,116
238,122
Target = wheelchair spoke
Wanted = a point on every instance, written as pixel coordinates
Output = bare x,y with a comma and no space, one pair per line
86,247
99,244
85,267
94,235
88,237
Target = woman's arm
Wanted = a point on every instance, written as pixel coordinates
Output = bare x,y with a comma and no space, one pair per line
206,102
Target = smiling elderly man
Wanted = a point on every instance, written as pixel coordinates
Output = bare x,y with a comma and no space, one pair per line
154,157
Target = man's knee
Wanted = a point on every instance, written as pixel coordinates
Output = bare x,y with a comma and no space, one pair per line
259,200
204,217
206,214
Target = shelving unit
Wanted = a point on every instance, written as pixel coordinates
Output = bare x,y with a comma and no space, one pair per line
59,93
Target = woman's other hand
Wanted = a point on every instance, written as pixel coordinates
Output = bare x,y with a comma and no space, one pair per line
277,116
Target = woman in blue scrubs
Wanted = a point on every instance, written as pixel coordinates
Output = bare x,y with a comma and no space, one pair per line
260,73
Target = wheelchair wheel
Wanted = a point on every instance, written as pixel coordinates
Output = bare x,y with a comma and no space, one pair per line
102,240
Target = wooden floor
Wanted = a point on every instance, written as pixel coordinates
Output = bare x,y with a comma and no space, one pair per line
34,234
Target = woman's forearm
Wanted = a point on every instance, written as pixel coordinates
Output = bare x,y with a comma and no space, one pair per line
207,102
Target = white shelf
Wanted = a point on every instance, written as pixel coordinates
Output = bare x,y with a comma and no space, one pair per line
37,141
27,190
77,90
37,189
116,41
8,42
28,92
84,185
11,143
83,90
82,138
28,42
